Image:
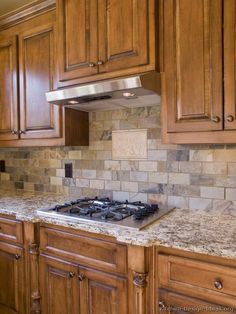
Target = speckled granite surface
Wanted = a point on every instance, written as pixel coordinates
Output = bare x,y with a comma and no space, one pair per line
212,232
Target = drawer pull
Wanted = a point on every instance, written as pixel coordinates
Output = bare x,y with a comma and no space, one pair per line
218,285
230,118
215,119
161,305
100,62
17,256
81,277
71,274
91,64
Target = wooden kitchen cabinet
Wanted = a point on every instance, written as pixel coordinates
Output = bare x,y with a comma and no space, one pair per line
99,39
27,53
198,96
12,279
194,281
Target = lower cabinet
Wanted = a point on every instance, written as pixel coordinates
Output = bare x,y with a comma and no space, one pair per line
12,292
174,303
69,288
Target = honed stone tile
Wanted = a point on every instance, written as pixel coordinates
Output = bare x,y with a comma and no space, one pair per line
75,154
153,144
138,197
112,165
129,186
172,166
121,175
214,168
158,177
159,199
69,181
89,164
212,192
160,155
56,180
5,176
97,184
201,155
83,183
104,174
179,178
207,180
232,168
152,188
178,201
60,173
184,190
129,165
104,155
200,203
147,166
138,176
226,181
178,155
89,155
121,196
112,185
50,163
89,174
190,167
230,194
224,207
225,155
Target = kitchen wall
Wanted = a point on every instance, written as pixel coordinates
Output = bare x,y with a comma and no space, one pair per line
196,176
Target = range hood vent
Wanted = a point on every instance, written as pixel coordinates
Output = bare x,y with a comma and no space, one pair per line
127,92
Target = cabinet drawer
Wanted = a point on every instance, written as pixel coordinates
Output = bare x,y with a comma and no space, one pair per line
11,230
97,253
200,279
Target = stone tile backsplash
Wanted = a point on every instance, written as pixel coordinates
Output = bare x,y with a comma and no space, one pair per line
196,176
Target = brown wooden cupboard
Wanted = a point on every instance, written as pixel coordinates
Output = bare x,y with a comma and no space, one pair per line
27,55
198,83
103,39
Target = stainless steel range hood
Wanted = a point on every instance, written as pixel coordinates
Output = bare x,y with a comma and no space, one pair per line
127,92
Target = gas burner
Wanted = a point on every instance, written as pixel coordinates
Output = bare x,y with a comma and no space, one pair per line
129,214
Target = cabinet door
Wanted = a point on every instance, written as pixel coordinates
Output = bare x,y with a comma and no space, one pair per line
102,293
229,63
11,280
59,286
193,65
8,89
123,34
77,38
173,303
38,119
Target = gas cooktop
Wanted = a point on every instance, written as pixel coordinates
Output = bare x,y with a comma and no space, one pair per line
136,215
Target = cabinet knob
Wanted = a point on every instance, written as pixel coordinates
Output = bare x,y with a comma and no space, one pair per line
71,274
91,64
100,62
161,305
17,256
22,132
13,132
215,119
218,285
81,277
230,118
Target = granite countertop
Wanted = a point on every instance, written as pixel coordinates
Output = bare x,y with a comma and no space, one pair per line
212,232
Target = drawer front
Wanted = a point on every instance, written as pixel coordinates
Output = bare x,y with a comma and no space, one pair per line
11,230
101,254
200,279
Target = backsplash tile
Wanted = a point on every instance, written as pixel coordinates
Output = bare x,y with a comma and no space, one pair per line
196,176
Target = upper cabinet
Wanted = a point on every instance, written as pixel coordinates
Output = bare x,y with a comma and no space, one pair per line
27,72
99,39
198,98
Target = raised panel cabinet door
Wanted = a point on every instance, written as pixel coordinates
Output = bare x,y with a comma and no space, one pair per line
192,63
59,286
123,33
11,280
230,64
38,119
76,38
101,292
174,303
8,89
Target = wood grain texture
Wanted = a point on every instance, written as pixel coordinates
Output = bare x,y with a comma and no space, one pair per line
193,64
